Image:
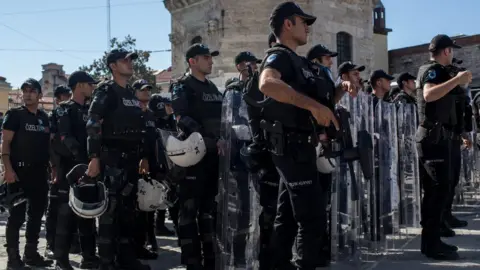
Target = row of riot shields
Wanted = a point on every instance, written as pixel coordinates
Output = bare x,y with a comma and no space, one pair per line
369,216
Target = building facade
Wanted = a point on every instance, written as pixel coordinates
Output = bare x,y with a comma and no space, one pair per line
354,28
53,75
409,59
5,89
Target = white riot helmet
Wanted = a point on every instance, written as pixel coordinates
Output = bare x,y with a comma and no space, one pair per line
151,195
188,152
324,164
88,197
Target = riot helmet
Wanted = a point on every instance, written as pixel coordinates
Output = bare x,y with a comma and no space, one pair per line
185,153
10,197
151,194
88,197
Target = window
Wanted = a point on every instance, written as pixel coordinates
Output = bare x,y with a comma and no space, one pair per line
197,39
344,47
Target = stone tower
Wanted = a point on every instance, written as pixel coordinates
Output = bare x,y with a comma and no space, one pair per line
232,26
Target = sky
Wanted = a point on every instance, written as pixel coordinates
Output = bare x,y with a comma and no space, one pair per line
74,33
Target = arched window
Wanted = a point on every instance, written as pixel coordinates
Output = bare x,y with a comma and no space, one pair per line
197,39
344,47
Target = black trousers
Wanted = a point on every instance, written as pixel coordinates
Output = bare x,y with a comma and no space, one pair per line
196,223
456,156
34,182
300,203
436,176
51,216
117,225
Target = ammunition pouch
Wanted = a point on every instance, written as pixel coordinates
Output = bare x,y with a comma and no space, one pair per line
275,136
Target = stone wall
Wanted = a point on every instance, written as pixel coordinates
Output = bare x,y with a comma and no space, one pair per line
232,26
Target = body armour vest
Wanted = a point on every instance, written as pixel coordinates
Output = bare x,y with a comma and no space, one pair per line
124,121
305,82
441,110
205,105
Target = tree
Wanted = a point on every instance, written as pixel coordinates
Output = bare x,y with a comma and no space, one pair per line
99,69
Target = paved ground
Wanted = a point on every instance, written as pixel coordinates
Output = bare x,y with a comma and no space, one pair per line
405,255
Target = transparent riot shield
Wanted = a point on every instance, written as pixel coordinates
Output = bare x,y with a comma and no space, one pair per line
350,214
237,217
408,171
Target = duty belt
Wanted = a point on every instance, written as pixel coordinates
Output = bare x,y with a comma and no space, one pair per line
300,138
23,164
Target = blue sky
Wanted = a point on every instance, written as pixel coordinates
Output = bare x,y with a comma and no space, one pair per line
30,30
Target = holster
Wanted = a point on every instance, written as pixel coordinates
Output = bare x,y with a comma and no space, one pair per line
275,136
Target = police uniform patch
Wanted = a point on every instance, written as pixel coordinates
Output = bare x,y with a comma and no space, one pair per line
177,88
432,74
60,111
271,58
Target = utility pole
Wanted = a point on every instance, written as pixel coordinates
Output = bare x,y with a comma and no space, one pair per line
109,34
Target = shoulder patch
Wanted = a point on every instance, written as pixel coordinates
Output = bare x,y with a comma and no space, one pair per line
432,74
177,87
271,58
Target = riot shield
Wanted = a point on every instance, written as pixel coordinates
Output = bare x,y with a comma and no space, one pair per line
408,171
350,214
237,218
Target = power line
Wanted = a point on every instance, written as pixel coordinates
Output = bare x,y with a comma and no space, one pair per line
69,50
78,8
39,42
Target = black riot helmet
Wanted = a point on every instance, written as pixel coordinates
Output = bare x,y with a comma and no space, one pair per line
157,105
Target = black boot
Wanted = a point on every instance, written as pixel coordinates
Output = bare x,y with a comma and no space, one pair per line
90,262
132,264
145,254
454,222
14,260
63,264
433,248
33,258
446,230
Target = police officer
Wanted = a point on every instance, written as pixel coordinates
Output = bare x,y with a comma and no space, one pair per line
406,85
350,72
115,129
144,221
61,93
72,118
197,105
25,156
164,119
288,126
437,118
380,82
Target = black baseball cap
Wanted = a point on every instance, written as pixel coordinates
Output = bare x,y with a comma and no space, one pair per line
442,42
33,84
286,10
246,56
405,77
61,90
271,39
141,84
199,49
117,54
80,77
348,66
318,51
378,74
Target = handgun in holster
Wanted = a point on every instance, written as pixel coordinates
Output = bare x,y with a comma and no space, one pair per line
275,136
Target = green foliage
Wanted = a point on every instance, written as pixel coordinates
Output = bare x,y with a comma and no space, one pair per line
99,69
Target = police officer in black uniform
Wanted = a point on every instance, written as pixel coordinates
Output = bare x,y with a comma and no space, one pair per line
144,222
406,86
72,118
350,72
164,119
61,93
197,105
437,118
272,40
25,156
288,123
115,144
381,84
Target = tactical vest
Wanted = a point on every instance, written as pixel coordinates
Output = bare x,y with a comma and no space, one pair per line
205,108
290,116
125,120
439,111
403,96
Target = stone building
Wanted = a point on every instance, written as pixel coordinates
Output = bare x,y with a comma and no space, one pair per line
5,89
409,59
53,75
354,28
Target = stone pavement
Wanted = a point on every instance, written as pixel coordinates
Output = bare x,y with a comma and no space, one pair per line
406,257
